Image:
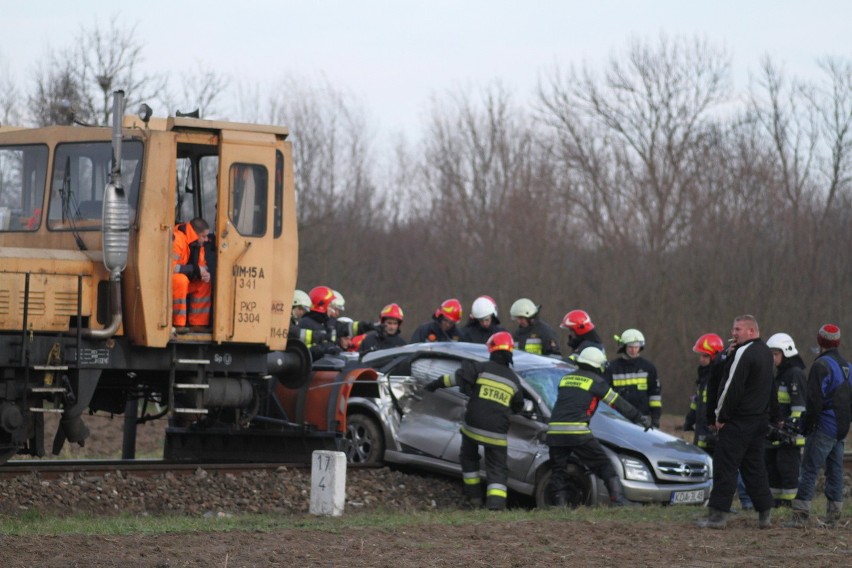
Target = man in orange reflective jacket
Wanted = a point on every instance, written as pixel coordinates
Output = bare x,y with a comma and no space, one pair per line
192,291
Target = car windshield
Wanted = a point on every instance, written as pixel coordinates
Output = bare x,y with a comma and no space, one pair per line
545,381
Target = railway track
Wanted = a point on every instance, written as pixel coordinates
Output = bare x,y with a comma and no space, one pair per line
54,469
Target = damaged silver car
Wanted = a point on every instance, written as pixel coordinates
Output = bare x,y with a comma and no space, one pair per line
392,419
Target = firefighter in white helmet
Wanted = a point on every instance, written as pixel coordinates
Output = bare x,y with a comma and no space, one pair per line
533,335
783,452
569,434
634,377
483,322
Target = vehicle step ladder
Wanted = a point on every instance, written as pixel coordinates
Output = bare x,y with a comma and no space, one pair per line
196,387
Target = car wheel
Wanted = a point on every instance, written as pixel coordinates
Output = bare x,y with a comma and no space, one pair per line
579,488
364,441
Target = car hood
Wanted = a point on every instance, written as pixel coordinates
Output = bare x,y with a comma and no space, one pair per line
612,428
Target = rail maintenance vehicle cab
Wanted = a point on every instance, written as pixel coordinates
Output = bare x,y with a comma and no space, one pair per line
87,217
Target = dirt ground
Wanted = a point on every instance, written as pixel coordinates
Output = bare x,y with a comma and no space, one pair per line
497,544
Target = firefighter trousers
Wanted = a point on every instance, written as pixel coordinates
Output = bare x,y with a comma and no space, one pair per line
496,469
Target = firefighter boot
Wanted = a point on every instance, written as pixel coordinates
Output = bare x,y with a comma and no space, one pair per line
715,519
833,513
801,514
765,519
472,496
495,503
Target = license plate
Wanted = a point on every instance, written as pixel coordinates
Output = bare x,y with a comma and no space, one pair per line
687,497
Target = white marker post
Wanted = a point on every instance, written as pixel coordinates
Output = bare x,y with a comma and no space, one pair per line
328,483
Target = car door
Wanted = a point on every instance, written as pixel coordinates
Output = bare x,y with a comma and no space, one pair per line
524,447
432,425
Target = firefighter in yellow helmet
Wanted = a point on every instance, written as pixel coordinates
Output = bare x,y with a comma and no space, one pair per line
533,335
634,377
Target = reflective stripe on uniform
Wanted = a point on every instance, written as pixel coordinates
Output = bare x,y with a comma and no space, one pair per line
783,395
496,391
497,490
568,428
655,401
609,397
484,436
470,477
448,380
639,380
533,345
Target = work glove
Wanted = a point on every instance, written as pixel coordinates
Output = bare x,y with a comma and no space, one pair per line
645,422
655,423
433,386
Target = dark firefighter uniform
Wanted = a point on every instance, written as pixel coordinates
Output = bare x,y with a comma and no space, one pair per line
579,342
783,457
697,417
569,433
636,380
431,331
376,340
538,338
494,393
319,334
473,332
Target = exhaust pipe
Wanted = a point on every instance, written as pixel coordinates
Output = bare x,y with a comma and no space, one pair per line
115,226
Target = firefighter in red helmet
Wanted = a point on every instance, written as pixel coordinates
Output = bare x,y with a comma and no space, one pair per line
388,334
317,329
443,325
708,347
494,392
582,332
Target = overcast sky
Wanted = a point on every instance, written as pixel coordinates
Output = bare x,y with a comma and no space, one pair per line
393,55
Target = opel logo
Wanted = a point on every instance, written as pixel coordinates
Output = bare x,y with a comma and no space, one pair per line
684,470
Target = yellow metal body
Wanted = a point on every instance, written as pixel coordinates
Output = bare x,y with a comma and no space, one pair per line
256,272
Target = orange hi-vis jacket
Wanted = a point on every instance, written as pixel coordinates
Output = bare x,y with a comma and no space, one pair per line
188,290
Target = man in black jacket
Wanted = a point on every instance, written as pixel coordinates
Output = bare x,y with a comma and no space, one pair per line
742,422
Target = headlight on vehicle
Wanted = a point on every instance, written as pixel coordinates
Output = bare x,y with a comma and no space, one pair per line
635,470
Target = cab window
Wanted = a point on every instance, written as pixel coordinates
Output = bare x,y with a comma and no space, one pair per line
81,171
23,171
247,196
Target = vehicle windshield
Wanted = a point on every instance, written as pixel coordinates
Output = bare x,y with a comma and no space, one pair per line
545,381
81,171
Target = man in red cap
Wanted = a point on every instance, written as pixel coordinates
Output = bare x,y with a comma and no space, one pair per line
827,418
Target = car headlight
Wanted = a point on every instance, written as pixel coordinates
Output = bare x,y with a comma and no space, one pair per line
635,470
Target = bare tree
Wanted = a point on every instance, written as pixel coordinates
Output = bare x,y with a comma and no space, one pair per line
202,89
628,140
58,94
334,175
10,107
101,60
